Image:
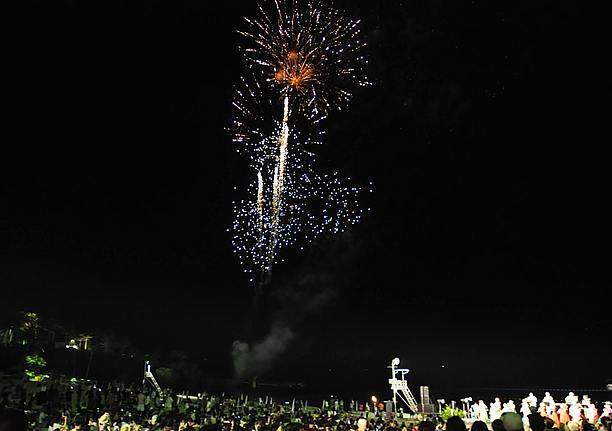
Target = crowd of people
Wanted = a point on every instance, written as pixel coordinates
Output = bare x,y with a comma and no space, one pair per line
572,409
69,405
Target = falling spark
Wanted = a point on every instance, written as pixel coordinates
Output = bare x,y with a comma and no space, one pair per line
260,186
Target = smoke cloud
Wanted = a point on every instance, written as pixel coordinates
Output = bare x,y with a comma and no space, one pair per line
295,304
257,360
316,285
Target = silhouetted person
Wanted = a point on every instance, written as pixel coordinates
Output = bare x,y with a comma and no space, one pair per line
479,426
549,424
497,425
536,422
455,423
427,426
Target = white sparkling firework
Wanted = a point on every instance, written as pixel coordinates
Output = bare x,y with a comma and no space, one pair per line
302,58
307,51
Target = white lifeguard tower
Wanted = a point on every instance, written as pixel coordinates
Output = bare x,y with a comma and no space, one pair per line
149,377
400,387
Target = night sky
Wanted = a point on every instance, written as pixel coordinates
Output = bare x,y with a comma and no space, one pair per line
483,135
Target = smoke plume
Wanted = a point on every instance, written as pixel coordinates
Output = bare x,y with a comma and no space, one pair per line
257,360
315,285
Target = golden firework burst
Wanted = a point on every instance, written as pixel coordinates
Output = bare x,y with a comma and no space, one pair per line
295,71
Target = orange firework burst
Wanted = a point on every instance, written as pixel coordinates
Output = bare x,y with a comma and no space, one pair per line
307,51
295,71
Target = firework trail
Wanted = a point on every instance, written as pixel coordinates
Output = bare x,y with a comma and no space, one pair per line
304,56
260,225
279,180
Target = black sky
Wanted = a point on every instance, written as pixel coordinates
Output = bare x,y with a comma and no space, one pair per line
483,135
